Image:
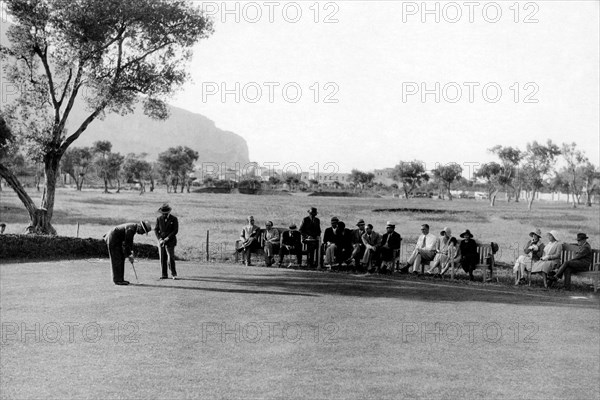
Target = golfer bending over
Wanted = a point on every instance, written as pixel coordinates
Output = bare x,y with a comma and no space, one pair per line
120,245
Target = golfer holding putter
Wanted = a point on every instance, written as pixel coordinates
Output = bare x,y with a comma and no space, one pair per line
120,245
166,230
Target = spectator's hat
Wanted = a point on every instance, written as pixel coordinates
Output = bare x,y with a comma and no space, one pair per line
581,236
466,233
554,234
537,232
335,219
146,226
292,227
390,224
360,222
165,208
447,230
312,210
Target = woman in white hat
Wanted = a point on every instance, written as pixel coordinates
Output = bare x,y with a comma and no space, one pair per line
441,251
534,250
550,258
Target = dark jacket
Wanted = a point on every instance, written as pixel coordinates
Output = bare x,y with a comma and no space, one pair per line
337,237
167,228
356,236
535,255
122,236
291,238
310,227
583,254
468,251
392,240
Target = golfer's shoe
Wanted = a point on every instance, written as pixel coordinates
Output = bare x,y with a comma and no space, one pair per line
164,277
175,277
122,283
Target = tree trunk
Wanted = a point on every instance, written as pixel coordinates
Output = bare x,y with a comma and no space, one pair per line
531,200
151,184
493,198
105,184
39,222
118,185
449,194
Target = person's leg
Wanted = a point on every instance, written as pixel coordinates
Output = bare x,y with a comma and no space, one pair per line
416,264
268,251
171,260
162,254
367,258
330,254
117,261
298,251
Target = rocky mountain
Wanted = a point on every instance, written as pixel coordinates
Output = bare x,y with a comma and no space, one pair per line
136,133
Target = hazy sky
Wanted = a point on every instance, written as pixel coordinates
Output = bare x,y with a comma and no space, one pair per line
373,62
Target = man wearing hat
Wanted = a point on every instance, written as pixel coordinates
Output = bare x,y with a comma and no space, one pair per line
534,249
119,241
333,239
358,247
372,242
291,243
467,249
166,230
390,242
580,262
271,241
310,229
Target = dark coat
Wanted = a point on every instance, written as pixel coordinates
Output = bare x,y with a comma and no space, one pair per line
392,240
167,228
310,227
337,237
121,236
291,238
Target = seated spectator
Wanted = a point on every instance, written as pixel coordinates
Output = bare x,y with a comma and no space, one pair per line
441,251
550,257
467,250
390,243
372,242
310,228
533,250
424,251
291,243
249,240
271,242
345,247
333,240
452,256
358,247
580,262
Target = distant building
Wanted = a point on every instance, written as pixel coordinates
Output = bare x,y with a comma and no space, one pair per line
383,176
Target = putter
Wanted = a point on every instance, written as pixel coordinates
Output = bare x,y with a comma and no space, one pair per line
135,273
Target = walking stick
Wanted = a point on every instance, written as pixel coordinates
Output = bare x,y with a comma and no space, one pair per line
135,273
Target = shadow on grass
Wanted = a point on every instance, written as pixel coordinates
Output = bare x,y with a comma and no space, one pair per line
242,291
309,283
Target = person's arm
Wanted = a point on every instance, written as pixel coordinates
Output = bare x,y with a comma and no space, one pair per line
157,229
582,253
128,242
274,236
172,234
527,248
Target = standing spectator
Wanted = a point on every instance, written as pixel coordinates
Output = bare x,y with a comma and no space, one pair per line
441,251
120,246
580,262
358,247
166,230
2,228
271,242
424,250
333,240
534,249
390,242
372,242
291,242
469,258
249,240
550,258
311,232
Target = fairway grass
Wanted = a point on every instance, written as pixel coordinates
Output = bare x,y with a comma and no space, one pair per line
223,215
226,331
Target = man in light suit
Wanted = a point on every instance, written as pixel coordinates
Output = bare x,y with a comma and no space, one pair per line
166,230
372,242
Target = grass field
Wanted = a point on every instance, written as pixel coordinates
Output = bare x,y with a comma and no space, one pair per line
226,331
223,215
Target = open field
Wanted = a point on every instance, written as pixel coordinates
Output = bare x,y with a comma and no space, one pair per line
226,331
223,215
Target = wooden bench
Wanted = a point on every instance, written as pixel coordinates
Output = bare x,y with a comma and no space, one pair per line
485,252
567,253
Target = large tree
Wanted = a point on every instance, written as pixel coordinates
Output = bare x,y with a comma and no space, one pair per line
493,173
362,179
575,159
591,180
538,163
175,164
510,158
75,162
446,175
411,174
109,54
137,170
